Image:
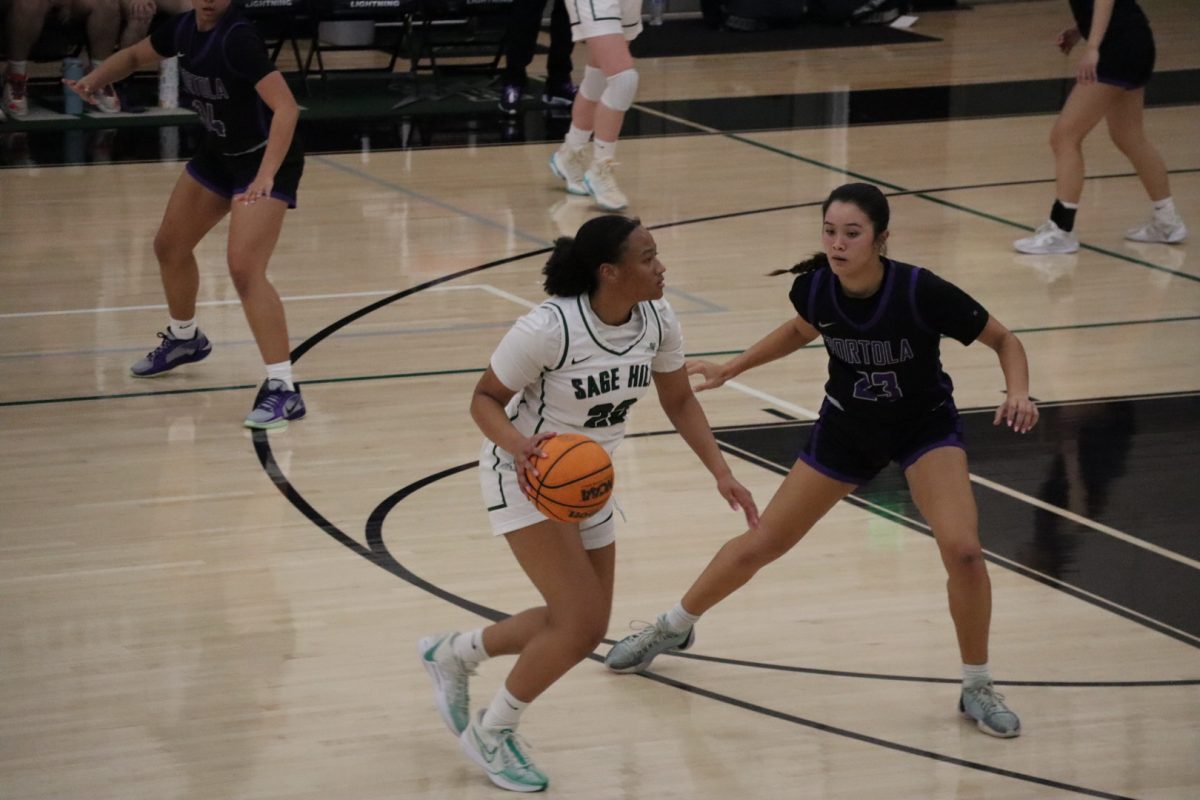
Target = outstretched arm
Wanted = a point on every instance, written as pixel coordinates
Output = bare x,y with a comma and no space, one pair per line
784,340
117,66
1017,410
687,415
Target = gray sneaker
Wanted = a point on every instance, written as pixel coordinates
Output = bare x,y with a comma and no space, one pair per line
275,405
171,353
501,753
635,652
450,677
985,705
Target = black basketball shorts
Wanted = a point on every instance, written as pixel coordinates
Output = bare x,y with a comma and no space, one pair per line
228,175
1127,59
855,449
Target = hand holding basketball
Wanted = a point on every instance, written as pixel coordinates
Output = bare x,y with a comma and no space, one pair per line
523,459
570,479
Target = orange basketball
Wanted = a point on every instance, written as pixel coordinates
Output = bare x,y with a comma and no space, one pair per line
576,478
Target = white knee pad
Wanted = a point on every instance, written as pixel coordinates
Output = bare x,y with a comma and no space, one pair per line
621,89
594,83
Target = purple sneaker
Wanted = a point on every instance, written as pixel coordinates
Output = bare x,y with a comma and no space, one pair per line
510,98
171,353
559,93
275,405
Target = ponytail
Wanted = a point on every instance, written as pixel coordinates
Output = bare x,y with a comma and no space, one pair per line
811,264
572,266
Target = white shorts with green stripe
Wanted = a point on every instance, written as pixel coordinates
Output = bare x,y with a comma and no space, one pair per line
510,510
592,18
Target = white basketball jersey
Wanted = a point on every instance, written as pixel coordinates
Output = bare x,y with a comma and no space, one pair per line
593,381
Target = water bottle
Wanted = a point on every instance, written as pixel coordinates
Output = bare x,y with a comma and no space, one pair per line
72,70
168,83
656,11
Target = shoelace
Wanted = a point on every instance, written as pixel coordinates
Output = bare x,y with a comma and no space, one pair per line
512,748
990,700
167,341
646,632
272,398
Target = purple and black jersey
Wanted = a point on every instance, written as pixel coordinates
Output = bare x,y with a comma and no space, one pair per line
884,351
1127,16
218,71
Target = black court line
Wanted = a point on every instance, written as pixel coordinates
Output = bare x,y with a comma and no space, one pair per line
377,553
858,107
39,401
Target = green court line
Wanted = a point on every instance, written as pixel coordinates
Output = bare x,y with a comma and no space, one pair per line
477,370
949,204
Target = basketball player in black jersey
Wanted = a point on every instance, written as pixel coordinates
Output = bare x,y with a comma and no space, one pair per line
1111,78
887,399
249,167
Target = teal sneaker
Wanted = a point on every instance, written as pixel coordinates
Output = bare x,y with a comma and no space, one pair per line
501,753
635,652
450,677
985,705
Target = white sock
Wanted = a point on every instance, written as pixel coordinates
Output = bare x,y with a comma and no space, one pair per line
504,712
1164,210
18,67
469,647
975,675
603,151
1065,204
679,620
182,328
281,372
577,137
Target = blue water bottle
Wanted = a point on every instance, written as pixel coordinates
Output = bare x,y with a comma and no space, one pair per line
72,70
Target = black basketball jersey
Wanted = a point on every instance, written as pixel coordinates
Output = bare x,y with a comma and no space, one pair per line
1127,16
884,351
218,70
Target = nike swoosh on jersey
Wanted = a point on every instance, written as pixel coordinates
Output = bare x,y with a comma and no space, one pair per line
824,324
580,360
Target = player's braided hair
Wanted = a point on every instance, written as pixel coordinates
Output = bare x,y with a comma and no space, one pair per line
571,268
869,200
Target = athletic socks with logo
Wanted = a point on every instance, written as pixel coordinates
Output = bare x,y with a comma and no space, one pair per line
281,372
182,328
469,648
504,712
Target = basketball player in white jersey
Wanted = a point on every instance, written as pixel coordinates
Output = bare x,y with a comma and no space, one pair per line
606,92
577,363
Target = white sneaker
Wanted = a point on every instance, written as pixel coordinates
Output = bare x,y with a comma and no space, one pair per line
601,183
1048,239
16,104
450,677
502,755
569,165
1155,230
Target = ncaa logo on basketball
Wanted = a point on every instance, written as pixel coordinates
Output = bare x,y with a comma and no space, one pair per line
597,491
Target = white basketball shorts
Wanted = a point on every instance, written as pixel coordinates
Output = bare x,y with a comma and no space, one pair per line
592,18
510,510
